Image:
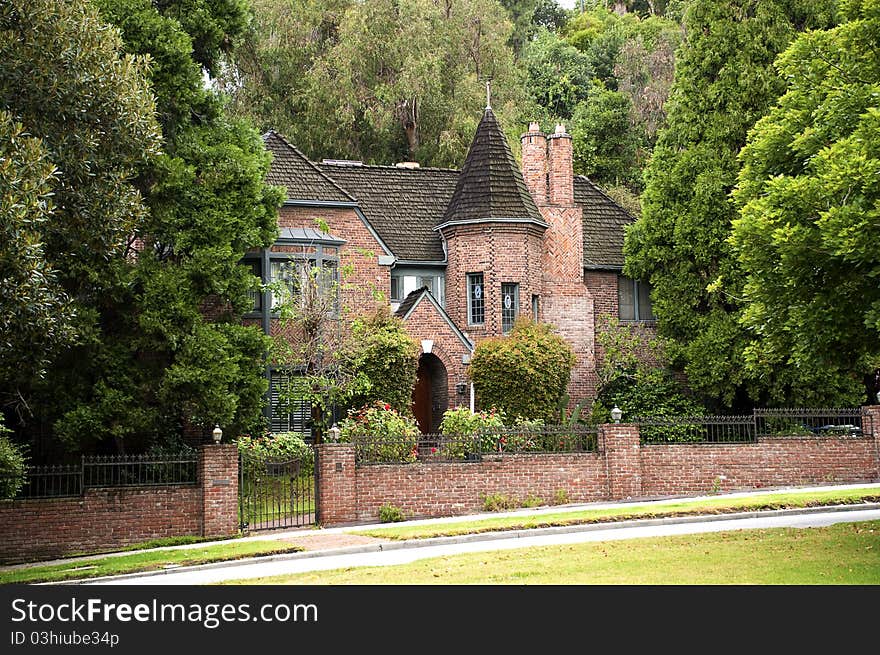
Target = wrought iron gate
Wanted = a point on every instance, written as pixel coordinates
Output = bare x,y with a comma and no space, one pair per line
276,493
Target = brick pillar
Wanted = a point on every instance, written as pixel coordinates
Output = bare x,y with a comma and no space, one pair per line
872,419
337,483
218,475
623,464
560,169
534,163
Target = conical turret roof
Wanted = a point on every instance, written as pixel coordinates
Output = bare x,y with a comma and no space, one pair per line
490,186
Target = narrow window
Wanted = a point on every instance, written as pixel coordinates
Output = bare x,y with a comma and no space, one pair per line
256,295
536,308
476,301
509,305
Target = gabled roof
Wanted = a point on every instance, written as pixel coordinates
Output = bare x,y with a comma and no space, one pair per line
413,300
303,180
604,223
402,204
491,185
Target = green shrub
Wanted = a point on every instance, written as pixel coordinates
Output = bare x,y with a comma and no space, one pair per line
383,434
461,422
391,514
384,359
532,501
13,465
560,497
498,503
278,447
525,373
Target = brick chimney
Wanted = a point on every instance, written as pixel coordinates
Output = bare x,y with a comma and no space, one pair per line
534,163
560,178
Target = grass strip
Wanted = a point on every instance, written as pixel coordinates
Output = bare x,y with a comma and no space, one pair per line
782,500
841,554
146,561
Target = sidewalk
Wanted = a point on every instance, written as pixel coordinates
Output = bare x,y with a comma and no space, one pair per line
316,541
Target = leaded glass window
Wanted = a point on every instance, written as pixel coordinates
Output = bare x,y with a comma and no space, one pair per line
476,299
509,305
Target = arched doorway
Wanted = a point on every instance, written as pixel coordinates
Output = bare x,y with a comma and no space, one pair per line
431,394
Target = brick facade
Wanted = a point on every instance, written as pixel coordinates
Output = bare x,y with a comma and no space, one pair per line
359,256
107,519
502,253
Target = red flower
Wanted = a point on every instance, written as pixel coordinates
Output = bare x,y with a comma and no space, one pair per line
387,406
433,450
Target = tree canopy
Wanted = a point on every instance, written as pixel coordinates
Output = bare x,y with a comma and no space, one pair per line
809,223
724,82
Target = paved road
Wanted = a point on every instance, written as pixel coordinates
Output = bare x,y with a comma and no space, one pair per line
404,552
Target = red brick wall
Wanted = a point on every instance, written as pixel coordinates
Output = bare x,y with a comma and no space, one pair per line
337,483
106,519
425,322
534,163
621,469
356,293
700,469
218,475
559,168
503,253
448,489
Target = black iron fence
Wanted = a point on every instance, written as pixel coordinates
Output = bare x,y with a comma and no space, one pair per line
101,471
787,422
473,447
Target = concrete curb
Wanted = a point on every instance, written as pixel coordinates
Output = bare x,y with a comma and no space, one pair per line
483,536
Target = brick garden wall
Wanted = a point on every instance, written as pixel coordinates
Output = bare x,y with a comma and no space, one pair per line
105,519
621,469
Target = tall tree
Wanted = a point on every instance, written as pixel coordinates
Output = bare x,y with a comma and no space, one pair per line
393,80
168,349
724,82
88,114
809,194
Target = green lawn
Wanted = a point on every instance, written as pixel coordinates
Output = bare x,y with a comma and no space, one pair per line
843,554
722,505
145,561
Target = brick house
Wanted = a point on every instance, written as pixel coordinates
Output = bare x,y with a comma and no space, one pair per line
460,254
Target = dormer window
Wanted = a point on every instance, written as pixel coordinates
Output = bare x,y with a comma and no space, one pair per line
634,300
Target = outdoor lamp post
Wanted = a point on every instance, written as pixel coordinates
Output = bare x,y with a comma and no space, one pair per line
217,433
333,433
616,414
461,388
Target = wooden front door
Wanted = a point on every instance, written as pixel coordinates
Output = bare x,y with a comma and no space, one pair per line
422,397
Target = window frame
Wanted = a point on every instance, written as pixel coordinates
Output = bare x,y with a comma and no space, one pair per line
508,320
481,298
636,287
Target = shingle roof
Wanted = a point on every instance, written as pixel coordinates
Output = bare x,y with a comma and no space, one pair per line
604,222
402,204
291,169
491,184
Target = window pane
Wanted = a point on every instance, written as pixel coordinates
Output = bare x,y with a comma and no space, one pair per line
427,282
509,302
644,304
476,301
536,308
256,295
626,299
409,284
395,289
284,271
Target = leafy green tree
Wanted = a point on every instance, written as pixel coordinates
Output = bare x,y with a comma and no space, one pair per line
605,144
88,107
560,76
809,220
392,80
724,82
524,374
157,273
36,315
